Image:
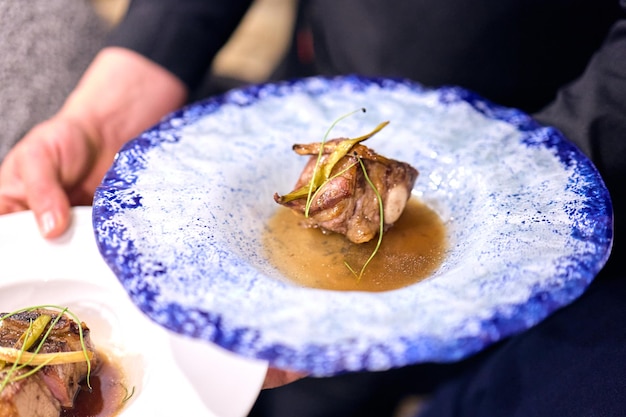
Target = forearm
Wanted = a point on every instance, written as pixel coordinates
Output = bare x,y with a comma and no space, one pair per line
120,95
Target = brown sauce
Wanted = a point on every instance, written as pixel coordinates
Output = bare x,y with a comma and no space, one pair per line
410,251
107,395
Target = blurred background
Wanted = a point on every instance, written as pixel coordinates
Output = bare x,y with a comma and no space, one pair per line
46,45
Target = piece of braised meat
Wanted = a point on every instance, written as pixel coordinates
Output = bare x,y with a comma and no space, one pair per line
345,202
28,397
53,387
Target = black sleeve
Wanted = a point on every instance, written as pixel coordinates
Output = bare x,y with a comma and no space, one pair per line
183,36
592,110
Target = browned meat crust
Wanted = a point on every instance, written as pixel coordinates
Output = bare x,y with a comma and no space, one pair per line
54,386
346,203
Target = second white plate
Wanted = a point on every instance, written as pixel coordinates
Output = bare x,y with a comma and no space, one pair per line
171,374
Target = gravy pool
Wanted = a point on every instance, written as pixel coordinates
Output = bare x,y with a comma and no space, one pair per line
410,251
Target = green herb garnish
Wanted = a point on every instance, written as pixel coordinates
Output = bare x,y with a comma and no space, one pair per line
21,358
381,226
322,170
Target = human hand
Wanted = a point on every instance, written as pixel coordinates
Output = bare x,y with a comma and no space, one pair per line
60,162
56,165
278,377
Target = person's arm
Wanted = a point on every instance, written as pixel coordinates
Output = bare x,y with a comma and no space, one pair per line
158,53
61,161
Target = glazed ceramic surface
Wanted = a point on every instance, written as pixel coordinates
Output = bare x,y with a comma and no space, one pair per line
180,215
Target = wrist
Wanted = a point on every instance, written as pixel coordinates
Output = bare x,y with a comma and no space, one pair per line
120,95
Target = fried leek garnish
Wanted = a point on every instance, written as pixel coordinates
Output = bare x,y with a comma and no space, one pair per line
20,357
322,171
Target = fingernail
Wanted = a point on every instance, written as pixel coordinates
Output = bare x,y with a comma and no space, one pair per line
46,223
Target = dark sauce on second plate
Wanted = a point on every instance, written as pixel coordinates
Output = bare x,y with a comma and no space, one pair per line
107,395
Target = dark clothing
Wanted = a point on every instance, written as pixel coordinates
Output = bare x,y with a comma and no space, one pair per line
572,364
591,112
183,36
515,52
551,58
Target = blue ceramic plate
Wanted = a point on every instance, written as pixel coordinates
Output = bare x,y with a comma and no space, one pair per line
180,214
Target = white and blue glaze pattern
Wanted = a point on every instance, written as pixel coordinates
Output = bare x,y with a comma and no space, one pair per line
180,214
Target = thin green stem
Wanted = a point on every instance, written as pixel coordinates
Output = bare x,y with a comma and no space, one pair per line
381,224
319,159
17,365
128,395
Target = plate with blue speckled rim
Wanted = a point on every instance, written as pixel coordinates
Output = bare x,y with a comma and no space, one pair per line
180,214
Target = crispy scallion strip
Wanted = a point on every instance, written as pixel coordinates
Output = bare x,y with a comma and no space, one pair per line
21,357
322,169
34,332
326,167
316,170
